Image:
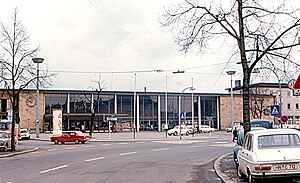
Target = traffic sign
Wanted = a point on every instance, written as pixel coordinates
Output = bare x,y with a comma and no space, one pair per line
284,119
182,116
275,110
291,84
297,84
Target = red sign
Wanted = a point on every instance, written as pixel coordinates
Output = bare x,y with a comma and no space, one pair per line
297,84
284,119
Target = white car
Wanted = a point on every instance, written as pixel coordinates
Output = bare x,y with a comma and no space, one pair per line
24,134
206,129
184,130
270,153
5,140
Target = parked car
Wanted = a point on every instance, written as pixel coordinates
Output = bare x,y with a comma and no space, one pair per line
5,140
24,134
206,129
238,127
240,141
184,130
70,136
270,153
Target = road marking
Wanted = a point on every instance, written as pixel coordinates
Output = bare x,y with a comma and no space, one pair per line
106,145
128,153
162,149
123,143
71,148
222,145
88,146
94,159
196,146
50,150
52,169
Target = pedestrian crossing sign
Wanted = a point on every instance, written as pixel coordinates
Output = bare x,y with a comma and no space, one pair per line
275,110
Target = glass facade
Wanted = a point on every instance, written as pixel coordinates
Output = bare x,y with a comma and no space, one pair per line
172,110
125,107
149,108
80,103
148,113
209,111
104,104
56,101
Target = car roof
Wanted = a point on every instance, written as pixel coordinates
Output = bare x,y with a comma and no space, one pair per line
274,131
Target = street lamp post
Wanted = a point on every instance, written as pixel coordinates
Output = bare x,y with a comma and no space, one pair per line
231,73
166,108
37,121
191,88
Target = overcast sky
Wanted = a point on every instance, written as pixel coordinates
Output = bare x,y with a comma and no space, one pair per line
111,36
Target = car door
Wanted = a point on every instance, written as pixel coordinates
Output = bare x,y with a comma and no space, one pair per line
246,153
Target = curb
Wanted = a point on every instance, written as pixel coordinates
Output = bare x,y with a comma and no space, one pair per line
18,153
217,168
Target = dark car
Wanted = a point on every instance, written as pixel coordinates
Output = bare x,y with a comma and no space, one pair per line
70,136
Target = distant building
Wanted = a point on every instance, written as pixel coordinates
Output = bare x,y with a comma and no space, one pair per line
209,109
290,100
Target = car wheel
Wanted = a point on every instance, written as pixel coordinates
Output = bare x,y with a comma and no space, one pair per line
62,142
175,133
83,142
76,141
240,174
187,133
56,141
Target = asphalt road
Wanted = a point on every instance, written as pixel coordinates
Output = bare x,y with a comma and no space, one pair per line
175,161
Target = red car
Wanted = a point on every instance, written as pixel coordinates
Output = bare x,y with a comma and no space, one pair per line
70,136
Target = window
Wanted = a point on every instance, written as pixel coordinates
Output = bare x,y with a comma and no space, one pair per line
289,106
278,140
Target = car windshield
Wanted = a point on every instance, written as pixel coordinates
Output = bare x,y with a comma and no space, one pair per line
278,141
79,133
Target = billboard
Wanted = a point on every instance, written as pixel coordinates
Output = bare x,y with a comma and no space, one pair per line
57,122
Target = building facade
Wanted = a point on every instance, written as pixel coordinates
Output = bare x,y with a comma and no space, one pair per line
288,99
149,113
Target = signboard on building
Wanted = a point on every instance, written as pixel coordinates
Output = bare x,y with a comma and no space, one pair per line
57,122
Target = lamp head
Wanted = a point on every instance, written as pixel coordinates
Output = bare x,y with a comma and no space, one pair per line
37,60
230,72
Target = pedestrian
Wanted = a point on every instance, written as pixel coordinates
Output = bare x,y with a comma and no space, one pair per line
235,134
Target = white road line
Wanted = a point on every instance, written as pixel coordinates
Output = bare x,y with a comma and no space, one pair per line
94,159
162,149
71,148
123,143
52,150
106,145
52,169
88,146
128,153
196,146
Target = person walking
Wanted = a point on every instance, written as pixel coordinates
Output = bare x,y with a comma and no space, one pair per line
235,134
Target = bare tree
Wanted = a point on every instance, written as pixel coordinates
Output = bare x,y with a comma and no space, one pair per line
95,101
16,66
260,33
